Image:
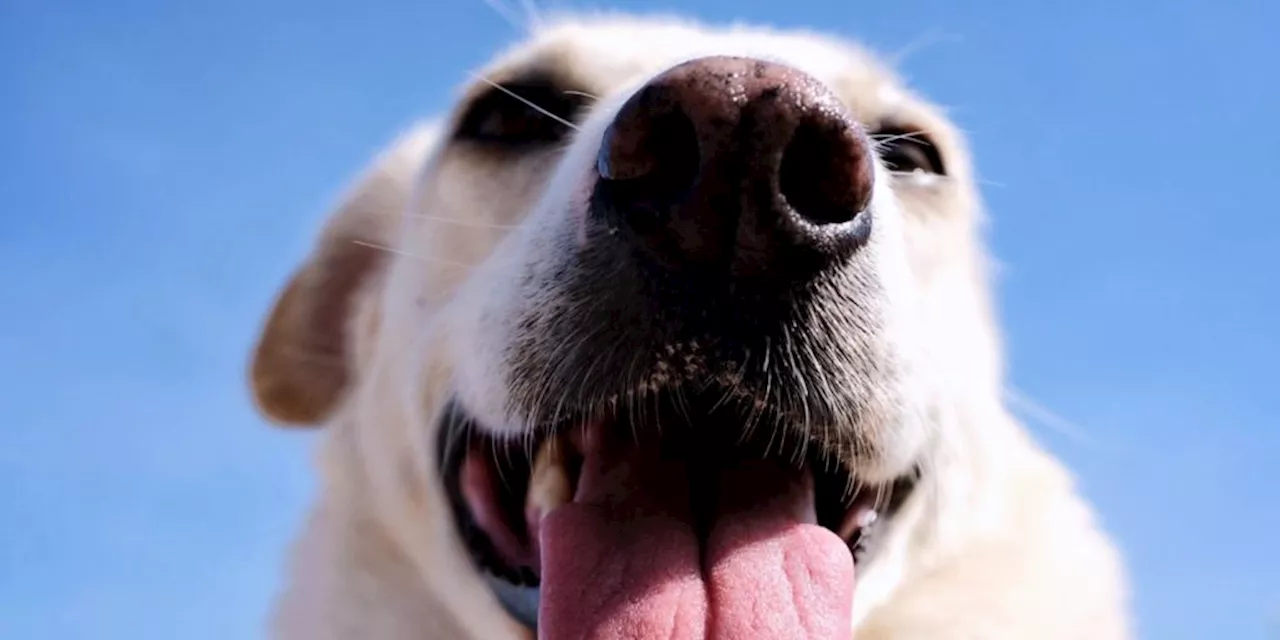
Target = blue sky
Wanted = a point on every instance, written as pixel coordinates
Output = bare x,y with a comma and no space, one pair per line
163,167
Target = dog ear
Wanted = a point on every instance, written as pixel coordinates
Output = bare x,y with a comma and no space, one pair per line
302,364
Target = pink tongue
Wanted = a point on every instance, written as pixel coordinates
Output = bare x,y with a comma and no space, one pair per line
624,561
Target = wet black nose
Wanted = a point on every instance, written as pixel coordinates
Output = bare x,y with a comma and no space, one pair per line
737,164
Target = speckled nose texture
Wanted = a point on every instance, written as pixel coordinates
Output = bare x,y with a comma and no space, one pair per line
737,164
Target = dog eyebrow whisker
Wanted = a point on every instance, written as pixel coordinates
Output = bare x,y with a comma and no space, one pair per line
531,104
507,13
882,139
533,17
381,247
922,42
584,94
467,223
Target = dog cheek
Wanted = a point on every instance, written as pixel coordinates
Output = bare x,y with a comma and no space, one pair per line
483,324
479,377
898,425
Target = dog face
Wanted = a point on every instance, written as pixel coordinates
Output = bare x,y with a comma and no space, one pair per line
645,280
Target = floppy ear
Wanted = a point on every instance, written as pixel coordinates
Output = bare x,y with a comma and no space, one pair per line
302,363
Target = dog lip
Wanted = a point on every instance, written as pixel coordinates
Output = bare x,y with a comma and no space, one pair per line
517,589
519,600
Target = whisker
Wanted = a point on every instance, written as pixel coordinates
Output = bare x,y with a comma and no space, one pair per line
506,13
1046,417
469,223
881,139
532,16
920,43
584,94
373,245
531,104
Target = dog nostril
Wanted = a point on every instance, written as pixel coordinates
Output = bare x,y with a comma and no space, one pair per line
826,176
647,162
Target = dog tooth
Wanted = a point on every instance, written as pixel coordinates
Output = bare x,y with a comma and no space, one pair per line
866,518
860,518
548,480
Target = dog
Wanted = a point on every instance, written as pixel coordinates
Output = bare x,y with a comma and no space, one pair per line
670,330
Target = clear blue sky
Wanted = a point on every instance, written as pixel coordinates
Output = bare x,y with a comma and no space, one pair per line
162,167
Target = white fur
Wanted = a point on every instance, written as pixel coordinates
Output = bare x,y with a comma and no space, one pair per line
1000,545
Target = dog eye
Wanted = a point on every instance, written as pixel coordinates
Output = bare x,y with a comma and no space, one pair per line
520,114
908,150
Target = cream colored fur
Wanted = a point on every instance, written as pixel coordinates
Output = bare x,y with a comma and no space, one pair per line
405,293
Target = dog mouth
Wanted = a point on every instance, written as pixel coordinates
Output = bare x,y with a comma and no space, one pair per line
680,517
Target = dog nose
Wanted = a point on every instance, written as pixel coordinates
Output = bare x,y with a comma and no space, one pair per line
740,163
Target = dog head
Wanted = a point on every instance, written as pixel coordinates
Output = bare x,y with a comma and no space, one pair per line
652,246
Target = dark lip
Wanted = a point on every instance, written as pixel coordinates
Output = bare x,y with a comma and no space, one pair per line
517,589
